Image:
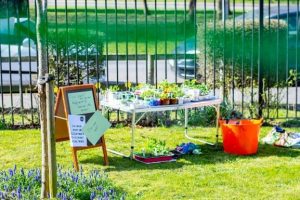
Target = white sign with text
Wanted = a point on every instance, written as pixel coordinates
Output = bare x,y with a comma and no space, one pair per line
77,137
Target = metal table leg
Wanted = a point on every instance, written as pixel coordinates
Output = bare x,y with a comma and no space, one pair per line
104,109
186,129
186,112
133,123
217,122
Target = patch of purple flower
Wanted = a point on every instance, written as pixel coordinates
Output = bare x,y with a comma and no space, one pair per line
71,185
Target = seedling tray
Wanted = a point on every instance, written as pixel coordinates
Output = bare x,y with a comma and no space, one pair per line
152,160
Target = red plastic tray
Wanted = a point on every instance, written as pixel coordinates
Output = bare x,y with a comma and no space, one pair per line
152,160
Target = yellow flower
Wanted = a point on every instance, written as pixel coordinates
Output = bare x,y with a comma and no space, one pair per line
55,89
140,85
98,85
128,85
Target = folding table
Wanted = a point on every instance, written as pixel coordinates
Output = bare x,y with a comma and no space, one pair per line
105,105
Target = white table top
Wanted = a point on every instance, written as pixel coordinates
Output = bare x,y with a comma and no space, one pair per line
128,109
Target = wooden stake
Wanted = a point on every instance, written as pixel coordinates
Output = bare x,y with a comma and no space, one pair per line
42,66
51,138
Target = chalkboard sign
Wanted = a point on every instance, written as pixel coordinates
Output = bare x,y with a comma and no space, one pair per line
76,100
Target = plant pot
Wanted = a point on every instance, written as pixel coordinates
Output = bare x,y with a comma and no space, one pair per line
157,159
111,96
186,100
205,97
173,101
164,101
180,100
154,102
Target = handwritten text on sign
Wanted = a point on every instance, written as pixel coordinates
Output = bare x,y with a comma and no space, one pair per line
78,138
81,102
95,127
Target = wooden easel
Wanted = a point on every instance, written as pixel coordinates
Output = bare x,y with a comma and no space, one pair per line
62,110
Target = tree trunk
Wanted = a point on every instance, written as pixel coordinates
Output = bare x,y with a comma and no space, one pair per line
192,9
42,66
146,10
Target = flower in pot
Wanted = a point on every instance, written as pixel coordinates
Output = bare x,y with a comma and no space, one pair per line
164,98
128,85
150,95
164,85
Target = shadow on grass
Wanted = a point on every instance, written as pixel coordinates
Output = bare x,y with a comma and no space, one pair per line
118,163
211,155
265,150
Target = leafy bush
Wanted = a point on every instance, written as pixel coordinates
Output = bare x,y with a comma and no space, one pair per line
228,112
207,116
236,46
13,7
199,117
23,184
3,125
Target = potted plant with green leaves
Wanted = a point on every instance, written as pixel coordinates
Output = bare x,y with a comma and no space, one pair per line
151,97
112,93
179,95
174,92
197,91
147,94
173,98
166,92
155,151
164,85
164,98
204,91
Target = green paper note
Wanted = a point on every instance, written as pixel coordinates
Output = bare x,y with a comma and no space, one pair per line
95,127
81,102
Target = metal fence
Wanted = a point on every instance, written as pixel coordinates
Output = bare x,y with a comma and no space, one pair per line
248,56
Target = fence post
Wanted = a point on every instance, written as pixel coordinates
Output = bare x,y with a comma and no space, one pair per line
51,136
260,56
151,69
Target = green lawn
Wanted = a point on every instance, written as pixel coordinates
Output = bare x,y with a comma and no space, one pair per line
123,36
271,174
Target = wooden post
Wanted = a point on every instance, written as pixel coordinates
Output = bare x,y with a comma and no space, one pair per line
51,137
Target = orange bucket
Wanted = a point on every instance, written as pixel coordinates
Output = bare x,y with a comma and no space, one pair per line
240,136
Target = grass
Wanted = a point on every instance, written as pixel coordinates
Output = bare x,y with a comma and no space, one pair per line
271,174
121,35
19,119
